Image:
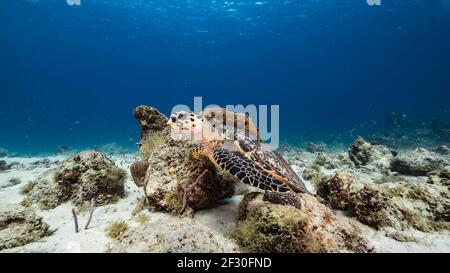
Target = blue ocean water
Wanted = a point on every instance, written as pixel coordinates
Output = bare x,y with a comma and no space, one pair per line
71,74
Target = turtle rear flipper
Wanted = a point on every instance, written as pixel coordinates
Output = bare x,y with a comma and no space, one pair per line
283,198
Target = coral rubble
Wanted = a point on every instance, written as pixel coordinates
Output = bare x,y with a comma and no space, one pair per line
441,177
397,204
4,166
11,182
318,147
442,150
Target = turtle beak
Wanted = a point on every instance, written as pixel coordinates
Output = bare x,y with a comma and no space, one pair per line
171,124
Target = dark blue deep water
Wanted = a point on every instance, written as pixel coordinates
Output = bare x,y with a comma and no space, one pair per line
71,75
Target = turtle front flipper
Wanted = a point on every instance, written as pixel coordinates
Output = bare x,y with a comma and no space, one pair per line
248,171
198,150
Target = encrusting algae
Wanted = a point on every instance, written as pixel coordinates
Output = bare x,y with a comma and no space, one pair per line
80,178
398,204
264,227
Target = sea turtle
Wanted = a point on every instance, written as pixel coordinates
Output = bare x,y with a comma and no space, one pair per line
235,148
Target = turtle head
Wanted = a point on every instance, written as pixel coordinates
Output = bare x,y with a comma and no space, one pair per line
185,125
191,126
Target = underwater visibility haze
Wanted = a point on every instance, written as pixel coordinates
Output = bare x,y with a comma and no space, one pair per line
71,74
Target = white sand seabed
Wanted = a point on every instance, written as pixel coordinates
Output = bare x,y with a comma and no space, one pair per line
219,219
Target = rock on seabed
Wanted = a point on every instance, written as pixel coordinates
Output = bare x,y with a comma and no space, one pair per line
396,204
417,162
80,178
170,168
20,226
363,153
265,227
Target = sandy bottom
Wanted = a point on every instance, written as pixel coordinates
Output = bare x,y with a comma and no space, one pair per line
220,219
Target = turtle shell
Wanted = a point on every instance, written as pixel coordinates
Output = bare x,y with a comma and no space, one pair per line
231,125
242,153
271,162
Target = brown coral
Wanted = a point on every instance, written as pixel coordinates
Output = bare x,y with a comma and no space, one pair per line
336,190
362,153
398,204
79,178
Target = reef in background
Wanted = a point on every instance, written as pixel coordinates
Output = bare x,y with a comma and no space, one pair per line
396,131
383,189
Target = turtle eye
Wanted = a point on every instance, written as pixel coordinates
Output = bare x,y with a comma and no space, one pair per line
174,119
180,115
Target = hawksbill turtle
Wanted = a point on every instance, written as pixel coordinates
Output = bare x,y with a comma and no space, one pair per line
231,141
